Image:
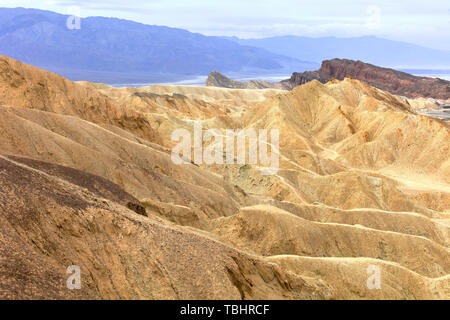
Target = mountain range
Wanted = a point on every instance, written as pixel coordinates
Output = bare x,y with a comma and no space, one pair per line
114,50
370,49
105,48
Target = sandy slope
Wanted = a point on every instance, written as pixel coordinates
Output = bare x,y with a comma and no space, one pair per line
364,180
53,223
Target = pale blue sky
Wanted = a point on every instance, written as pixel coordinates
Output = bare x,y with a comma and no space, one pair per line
417,21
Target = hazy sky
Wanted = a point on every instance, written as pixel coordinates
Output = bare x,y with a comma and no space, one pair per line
425,22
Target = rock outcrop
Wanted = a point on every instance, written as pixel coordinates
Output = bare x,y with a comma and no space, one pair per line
395,82
216,79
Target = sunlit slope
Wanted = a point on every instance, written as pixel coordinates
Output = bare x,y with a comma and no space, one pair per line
363,181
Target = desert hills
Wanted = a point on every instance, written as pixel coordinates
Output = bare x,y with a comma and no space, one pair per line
364,180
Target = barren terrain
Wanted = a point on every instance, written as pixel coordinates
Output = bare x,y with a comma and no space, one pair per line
364,180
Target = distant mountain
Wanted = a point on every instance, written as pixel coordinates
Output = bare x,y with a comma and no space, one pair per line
106,47
383,52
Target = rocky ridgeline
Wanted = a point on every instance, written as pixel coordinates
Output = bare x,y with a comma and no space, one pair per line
395,82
